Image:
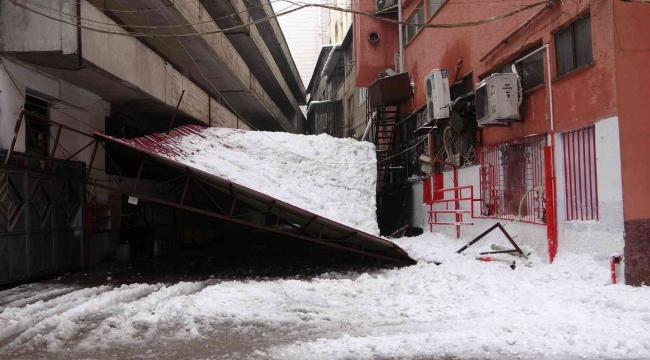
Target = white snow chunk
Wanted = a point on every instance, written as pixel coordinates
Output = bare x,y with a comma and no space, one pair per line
331,177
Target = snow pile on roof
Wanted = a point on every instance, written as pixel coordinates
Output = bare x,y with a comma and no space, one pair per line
331,177
461,309
334,48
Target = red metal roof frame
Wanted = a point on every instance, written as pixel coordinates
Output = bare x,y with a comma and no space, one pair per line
156,147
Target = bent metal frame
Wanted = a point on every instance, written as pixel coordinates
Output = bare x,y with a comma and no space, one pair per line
226,199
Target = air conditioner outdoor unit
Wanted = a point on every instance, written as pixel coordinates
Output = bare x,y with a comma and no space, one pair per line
437,91
497,100
384,4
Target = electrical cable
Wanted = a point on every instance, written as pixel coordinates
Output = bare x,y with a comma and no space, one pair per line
74,16
263,132
299,7
276,15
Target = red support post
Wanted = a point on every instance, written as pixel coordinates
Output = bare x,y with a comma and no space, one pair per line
550,207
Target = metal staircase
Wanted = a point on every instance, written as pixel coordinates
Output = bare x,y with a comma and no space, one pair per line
384,139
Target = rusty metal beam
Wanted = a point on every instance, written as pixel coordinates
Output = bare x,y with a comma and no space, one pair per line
140,167
92,159
45,119
171,123
56,144
73,155
187,184
209,196
19,121
232,207
254,225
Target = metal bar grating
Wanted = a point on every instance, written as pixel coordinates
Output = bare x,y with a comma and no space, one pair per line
580,176
512,180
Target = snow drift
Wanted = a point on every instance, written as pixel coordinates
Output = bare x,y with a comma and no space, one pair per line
331,177
462,309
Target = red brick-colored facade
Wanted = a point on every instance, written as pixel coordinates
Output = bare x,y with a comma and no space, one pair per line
614,84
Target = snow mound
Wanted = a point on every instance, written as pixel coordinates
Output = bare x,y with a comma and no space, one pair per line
331,177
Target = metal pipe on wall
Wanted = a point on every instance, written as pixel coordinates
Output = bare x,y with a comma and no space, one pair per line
551,223
400,35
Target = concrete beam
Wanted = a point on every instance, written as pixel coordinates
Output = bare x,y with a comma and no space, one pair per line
277,44
251,46
219,64
120,69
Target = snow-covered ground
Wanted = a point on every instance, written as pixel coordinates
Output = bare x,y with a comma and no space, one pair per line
331,177
463,308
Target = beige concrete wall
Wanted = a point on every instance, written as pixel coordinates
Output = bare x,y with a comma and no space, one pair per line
22,30
134,65
69,105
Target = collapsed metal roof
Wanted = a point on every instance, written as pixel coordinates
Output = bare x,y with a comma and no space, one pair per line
226,196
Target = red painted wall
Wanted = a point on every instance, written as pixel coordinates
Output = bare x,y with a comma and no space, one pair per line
580,98
632,32
370,59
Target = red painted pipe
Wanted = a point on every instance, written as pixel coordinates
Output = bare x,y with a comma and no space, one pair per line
615,259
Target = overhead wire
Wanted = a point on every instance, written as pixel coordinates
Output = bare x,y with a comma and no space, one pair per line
298,6
58,12
276,15
252,126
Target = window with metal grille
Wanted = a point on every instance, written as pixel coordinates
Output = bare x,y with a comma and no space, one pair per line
573,46
37,132
512,180
580,177
411,30
434,6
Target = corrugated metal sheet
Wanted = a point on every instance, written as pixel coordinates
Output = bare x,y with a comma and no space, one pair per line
160,147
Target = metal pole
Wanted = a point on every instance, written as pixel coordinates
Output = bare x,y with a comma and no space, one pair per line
400,64
56,144
13,141
92,160
171,123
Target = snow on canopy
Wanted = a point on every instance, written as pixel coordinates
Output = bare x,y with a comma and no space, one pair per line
331,177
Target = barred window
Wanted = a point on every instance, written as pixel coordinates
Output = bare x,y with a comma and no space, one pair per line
512,180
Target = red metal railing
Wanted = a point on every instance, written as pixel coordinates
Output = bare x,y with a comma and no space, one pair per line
458,197
580,177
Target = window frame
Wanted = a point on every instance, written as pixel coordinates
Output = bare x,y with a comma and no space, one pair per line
431,2
574,46
363,95
36,125
419,10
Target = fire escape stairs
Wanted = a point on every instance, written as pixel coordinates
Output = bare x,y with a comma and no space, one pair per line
387,118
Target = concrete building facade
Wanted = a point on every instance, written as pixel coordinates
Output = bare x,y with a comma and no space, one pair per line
127,69
336,107
305,32
591,117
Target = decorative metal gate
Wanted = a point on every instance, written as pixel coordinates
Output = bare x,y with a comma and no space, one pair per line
41,217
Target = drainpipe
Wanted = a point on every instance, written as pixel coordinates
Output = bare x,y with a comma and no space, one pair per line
400,65
551,205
